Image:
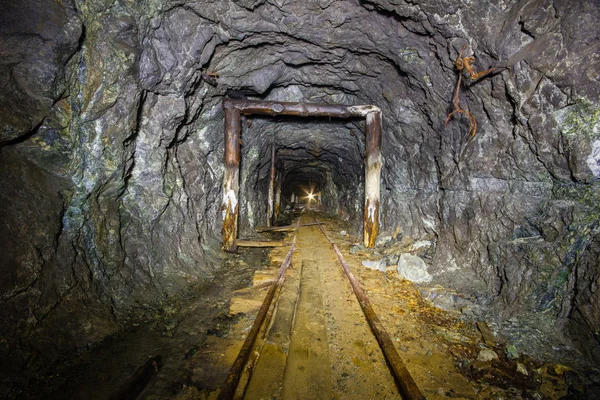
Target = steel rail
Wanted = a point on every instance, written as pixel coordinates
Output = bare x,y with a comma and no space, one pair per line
233,378
406,384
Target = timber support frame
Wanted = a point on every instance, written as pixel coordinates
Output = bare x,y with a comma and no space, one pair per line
235,108
271,194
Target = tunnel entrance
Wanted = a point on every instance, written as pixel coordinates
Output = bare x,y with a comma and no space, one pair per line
235,108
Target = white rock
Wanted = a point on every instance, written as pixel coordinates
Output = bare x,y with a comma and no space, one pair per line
383,240
420,244
487,355
378,265
593,160
413,268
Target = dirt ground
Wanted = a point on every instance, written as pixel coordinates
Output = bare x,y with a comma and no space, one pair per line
320,346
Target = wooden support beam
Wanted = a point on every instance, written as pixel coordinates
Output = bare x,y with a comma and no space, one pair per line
253,243
298,109
234,108
274,229
372,178
271,194
231,179
277,197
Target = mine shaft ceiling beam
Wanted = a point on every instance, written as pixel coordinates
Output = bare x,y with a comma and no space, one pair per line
248,107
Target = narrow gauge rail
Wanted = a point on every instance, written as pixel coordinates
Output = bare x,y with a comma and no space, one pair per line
236,384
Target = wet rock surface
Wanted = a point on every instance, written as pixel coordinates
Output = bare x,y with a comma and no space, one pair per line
111,137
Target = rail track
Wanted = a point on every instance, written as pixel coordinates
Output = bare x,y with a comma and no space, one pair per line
310,336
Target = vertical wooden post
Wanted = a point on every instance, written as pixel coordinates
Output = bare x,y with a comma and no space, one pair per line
231,178
271,194
277,197
372,177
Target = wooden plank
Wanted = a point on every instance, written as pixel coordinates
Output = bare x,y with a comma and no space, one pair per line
266,381
231,383
308,367
251,243
262,229
284,228
247,300
263,276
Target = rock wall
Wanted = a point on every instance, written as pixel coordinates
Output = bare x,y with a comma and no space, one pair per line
112,137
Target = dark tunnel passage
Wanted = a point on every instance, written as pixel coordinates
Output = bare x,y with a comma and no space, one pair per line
118,186
311,155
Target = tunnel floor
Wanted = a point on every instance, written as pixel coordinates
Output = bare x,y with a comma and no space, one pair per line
319,344
332,352
447,355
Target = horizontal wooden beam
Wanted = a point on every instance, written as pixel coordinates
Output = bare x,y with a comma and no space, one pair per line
298,109
251,243
284,228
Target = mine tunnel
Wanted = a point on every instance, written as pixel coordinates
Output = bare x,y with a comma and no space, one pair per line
311,158
148,211
320,156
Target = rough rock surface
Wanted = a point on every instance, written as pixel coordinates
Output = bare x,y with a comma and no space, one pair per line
112,141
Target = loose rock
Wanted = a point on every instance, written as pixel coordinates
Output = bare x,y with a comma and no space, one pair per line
487,355
511,352
413,268
522,369
383,240
377,265
357,248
